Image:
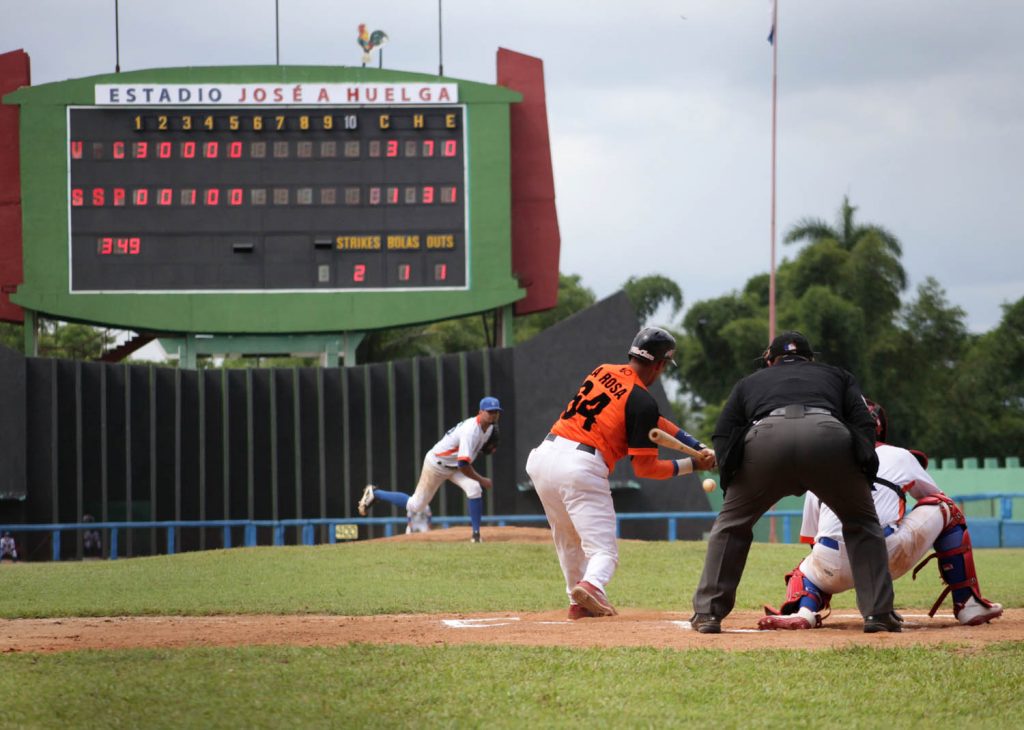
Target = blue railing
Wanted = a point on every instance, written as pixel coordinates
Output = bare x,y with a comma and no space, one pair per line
306,527
1000,531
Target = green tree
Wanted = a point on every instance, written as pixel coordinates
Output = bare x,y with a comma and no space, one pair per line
572,297
11,336
648,293
847,234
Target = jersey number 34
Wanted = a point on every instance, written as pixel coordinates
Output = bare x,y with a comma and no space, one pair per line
589,408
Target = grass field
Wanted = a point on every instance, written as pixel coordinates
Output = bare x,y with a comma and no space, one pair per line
473,686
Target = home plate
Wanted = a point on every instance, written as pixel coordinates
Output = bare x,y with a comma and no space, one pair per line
477,623
686,625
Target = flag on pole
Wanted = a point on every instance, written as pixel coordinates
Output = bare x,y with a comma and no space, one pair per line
771,17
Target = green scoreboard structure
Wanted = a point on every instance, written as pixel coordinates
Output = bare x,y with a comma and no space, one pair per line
267,208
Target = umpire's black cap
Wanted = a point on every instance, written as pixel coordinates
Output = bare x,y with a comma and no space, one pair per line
790,343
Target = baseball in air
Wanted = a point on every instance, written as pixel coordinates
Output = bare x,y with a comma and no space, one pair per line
709,485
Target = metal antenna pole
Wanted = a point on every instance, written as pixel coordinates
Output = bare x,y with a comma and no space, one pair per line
440,43
117,37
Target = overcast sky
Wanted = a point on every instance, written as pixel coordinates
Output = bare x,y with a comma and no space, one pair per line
659,114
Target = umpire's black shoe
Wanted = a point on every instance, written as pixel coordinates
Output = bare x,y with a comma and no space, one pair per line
705,623
885,622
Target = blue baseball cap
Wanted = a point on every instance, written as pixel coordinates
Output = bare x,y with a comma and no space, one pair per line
489,403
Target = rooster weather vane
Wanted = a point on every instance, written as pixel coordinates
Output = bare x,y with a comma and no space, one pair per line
369,41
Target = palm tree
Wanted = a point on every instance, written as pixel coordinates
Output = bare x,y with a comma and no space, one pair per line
847,234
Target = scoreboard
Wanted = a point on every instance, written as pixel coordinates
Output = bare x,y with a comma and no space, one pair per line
265,199
335,198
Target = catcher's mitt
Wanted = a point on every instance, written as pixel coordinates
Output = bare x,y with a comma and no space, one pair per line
491,445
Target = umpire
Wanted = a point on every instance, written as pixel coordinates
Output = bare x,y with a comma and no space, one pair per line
795,426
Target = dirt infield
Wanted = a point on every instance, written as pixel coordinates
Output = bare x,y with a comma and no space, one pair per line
668,630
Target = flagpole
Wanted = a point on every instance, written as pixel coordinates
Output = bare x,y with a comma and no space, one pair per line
774,38
775,64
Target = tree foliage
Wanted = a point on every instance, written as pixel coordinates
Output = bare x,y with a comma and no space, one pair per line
947,392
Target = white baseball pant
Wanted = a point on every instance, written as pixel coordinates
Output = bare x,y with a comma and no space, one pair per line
829,569
573,487
432,476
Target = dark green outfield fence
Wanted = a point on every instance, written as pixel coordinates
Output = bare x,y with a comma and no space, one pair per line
146,443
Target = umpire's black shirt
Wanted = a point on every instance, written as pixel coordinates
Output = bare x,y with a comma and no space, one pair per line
793,381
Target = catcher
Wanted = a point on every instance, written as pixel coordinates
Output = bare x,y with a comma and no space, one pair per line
934,522
450,459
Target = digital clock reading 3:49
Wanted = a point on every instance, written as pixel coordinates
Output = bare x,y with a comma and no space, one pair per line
255,199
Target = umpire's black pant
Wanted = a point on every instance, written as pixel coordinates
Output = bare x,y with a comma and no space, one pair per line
784,456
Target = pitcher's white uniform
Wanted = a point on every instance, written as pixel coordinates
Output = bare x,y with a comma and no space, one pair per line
461,444
909,537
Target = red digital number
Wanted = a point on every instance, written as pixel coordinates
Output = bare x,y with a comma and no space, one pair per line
134,245
428,194
188,150
211,150
141,197
76,150
122,245
165,196
119,197
404,272
98,197
141,150
212,196
392,150
106,246
450,148
188,196
163,150
235,150
440,272
235,196
77,197
359,272
118,150
428,148
392,195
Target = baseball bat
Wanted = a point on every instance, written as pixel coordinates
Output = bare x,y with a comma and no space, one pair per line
663,439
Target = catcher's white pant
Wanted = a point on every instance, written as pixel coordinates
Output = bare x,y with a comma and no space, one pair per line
573,487
432,476
829,569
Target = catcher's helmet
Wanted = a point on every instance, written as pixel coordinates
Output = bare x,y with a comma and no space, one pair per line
881,420
652,344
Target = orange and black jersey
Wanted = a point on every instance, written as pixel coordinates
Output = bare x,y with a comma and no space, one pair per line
614,412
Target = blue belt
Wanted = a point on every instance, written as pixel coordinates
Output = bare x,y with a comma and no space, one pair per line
579,447
834,544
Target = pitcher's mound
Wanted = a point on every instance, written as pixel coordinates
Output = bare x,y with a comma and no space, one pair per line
487,533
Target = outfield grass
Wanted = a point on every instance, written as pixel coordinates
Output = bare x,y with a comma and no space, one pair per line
477,686
363,686
416,577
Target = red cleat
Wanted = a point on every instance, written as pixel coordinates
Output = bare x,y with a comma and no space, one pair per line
577,612
593,599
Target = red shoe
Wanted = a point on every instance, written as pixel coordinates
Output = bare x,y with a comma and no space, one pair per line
577,612
593,599
792,622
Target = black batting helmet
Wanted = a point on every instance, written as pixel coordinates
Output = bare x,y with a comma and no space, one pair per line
881,420
652,344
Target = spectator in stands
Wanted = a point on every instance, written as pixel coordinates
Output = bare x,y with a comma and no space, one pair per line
7,548
92,543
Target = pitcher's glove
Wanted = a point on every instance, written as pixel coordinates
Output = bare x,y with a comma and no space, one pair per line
491,445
